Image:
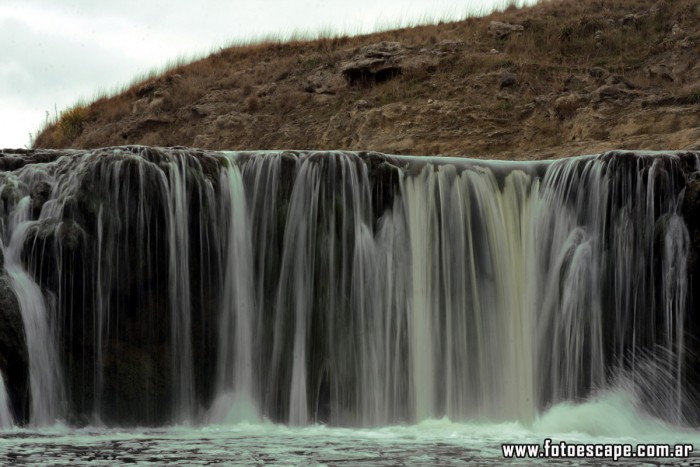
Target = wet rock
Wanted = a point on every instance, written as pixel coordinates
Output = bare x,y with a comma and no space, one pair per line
14,358
691,213
138,385
13,159
385,180
39,195
9,195
503,30
49,242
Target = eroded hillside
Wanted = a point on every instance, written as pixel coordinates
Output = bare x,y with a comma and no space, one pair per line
560,78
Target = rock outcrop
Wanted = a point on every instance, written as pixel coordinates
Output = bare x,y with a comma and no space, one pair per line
14,360
381,62
502,30
375,63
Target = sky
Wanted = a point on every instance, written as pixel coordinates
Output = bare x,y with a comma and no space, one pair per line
54,53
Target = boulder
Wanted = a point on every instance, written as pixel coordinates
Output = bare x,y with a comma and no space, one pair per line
503,30
566,106
374,63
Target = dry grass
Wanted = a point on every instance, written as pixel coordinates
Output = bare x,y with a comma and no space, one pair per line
561,41
64,129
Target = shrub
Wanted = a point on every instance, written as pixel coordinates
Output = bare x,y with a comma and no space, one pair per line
70,125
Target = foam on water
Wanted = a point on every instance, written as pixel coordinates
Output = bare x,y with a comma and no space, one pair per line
233,408
609,417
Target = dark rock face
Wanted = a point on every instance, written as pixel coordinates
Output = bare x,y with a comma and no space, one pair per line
107,260
691,215
104,262
14,360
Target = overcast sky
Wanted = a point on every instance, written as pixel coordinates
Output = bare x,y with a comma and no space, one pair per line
55,52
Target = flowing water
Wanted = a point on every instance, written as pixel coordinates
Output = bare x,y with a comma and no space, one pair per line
342,306
6,419
607,419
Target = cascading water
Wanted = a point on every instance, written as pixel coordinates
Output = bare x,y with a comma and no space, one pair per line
44,367
6,418
182,286
234,371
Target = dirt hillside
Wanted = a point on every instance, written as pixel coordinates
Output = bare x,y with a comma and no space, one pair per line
557,79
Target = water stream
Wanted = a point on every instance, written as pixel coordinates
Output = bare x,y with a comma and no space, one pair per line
178,287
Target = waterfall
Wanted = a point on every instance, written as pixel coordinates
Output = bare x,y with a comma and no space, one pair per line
44,366
165,286
6,419
461,308
234,374
179,286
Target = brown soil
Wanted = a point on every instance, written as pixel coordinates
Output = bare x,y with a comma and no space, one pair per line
561,78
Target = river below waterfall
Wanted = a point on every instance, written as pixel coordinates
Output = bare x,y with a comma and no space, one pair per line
607,419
